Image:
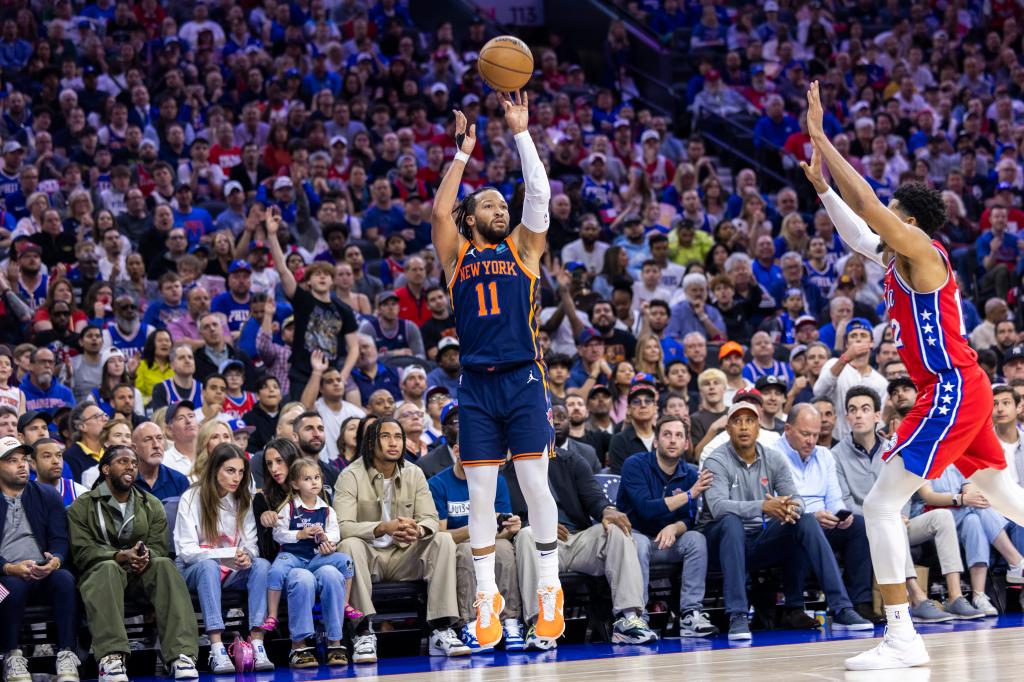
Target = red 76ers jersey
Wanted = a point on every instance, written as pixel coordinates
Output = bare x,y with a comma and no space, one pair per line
928,328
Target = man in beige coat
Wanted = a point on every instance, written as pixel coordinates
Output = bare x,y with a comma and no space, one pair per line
389,527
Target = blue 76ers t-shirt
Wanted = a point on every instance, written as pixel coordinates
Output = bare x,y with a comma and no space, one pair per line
451,497
237,313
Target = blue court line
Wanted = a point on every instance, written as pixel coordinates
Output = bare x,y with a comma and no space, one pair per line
580,652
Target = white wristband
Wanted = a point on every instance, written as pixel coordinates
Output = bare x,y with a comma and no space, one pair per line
461,156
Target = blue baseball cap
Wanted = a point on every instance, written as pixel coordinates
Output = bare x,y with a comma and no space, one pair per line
238,266
643,377
587,335
449,409
857,323
237,425
574,265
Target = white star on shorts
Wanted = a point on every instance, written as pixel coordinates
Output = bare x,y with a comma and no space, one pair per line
943,410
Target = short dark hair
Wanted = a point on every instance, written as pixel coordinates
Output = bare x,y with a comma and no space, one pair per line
656,238
667,419
558,359
923,204
263,380
659,303
308,414
863,391
1000,389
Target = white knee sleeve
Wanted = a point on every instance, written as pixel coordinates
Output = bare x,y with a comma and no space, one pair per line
883,508
483,485
533,481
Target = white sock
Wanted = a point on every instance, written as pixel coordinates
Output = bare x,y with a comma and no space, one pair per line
898,621
218,649
483,567
547,568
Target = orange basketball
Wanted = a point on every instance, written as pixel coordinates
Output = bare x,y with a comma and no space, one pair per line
505,63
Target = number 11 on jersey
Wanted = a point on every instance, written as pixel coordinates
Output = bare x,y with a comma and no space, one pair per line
482,299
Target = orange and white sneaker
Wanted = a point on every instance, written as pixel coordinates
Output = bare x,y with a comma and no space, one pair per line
488,618
550,619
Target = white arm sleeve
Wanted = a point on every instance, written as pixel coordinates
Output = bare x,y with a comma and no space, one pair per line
852,228
538,190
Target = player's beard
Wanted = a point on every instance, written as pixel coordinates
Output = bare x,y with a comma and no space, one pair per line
490,233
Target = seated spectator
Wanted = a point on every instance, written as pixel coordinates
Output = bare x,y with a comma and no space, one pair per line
740,537
155,477
33,549
233,304
401,547
325,394
86,423
762,360
47,460
155,364
238,400
451,499
183,429
658,492
264,414
580,430
711,384
436,398
183,384
814,474
370,375
695,313
593,538
590,368
132,558
449,368
773,395
215,544
128,333
210,435
43,392
730,361
413,385
443,455
717,435
216,350
170,307
637,434
858,458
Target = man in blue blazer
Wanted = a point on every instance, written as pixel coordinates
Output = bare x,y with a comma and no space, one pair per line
33,548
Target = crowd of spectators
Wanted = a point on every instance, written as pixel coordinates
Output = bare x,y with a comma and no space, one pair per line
218,274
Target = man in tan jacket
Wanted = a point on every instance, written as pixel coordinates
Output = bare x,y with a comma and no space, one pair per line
389,527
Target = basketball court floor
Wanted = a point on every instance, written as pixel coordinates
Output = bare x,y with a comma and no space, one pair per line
987,650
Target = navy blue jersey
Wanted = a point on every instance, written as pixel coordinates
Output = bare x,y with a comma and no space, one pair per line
493,297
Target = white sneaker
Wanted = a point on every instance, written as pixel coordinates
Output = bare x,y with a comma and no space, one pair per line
981,602
221,664
184,668
364,649
16,667
112,669
261,662
67,666
1015,575
447,643
891,652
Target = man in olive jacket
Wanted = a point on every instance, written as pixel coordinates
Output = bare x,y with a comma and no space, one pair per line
119,543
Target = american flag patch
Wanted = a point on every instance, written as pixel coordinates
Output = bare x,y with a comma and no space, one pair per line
3,593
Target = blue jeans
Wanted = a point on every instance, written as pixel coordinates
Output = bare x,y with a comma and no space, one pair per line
977,529
691,548
57,589
303,584
853,543
203,578
792,545
285,562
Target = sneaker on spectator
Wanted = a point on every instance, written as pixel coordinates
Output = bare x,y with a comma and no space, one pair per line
867,610
221,663
739,630
848,619
1015,574
468,637
364,648
16,667
261,662
513,635
632,630
337,655
447,643
112,669
184,668
929,611
797,619
981,602
534,642
67,666
303,658
962,609
696,624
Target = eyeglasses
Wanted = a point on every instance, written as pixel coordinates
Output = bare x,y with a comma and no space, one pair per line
642,402
98,415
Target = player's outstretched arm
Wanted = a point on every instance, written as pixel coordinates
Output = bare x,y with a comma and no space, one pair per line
905,239
532,240
854,231
444,233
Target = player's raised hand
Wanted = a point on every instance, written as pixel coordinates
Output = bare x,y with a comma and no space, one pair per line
813,171
815,114
465,135
517,114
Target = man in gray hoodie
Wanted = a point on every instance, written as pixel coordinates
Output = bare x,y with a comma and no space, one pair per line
753,517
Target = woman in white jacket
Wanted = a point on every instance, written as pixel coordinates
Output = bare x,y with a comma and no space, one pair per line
215,542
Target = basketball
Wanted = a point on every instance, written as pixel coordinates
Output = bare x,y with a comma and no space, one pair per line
505,63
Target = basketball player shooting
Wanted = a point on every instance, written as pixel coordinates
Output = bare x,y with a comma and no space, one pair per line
504,407
951,422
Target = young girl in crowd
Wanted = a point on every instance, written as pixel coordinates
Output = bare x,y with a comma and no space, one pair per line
307,530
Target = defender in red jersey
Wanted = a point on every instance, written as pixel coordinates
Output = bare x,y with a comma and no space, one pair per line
951,422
